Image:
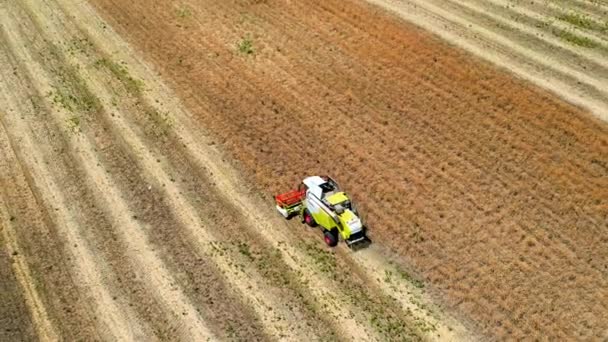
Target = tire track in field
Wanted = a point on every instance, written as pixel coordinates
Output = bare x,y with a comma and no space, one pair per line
480,40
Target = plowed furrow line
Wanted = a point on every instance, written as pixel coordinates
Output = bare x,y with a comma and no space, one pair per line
90,161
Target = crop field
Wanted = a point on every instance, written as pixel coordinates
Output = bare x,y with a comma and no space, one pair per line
122,220
141,143
560,45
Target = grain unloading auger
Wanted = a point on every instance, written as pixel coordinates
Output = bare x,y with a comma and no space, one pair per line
318,200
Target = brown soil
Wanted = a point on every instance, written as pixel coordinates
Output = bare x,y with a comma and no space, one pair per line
492,190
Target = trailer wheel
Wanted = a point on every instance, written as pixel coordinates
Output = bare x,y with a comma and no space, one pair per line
331,237
308,219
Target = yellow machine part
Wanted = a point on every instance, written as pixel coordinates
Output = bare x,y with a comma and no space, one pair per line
337,198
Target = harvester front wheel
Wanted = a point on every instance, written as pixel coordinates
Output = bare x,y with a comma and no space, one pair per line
308,219
331,237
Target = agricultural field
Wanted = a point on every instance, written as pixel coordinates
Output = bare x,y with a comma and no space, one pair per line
122,220
141,144
560,45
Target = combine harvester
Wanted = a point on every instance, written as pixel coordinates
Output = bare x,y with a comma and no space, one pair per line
319,201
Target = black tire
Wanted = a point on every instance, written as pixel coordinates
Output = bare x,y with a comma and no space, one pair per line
308,219
331,237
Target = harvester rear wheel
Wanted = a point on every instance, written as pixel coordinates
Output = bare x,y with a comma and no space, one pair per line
331,237
308,219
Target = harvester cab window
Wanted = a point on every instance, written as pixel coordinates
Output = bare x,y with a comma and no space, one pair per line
327,188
